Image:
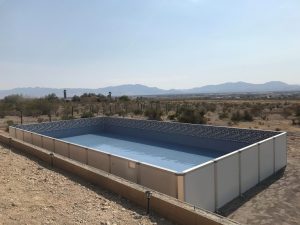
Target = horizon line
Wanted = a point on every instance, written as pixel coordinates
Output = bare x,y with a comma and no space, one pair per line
229,82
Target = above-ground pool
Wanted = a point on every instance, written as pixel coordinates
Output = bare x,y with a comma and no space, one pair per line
206,166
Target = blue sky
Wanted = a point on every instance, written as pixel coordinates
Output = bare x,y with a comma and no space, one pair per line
163,43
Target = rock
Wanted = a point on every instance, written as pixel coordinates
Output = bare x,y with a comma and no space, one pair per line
105,223
105,207
137,217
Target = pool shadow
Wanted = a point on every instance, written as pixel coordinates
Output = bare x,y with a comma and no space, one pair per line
238,202
110,196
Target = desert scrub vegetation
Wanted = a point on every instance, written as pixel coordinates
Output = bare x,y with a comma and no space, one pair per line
189,115
153,114
244,116
187,110
8,124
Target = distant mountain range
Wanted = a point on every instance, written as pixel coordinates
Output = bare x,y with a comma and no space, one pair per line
142,90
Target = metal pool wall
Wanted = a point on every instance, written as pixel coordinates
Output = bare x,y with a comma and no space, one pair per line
251,156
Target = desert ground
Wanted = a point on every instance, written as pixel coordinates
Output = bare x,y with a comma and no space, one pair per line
33,193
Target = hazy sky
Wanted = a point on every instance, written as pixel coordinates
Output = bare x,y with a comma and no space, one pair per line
163,43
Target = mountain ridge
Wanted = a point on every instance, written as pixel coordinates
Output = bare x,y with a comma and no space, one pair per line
143,90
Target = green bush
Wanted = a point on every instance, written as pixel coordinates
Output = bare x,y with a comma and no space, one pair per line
137,112
2,114
187,115
87,115
153,114
297,111
247,116
122,113
124,98
75,98
238,116
9,123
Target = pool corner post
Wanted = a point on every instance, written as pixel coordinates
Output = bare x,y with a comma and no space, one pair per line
216,185
180,187
274,154
240,173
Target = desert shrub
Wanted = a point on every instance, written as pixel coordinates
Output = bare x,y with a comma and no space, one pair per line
41,106
297,111
238,116
2,113
153,114
227,107
75,98
264,116
172,116
229,123
51,97
247,116
223,115
8,124
257,109
87,114
124,98
286,112
67,117
122,113
137,112
40,120
296,122
13,99
208,107
188,115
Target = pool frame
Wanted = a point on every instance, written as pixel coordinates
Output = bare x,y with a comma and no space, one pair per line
225,178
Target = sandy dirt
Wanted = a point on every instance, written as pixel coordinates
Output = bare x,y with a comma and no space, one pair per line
277,200
33,193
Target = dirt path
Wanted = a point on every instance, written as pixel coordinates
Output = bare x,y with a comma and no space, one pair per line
32,193
276,201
